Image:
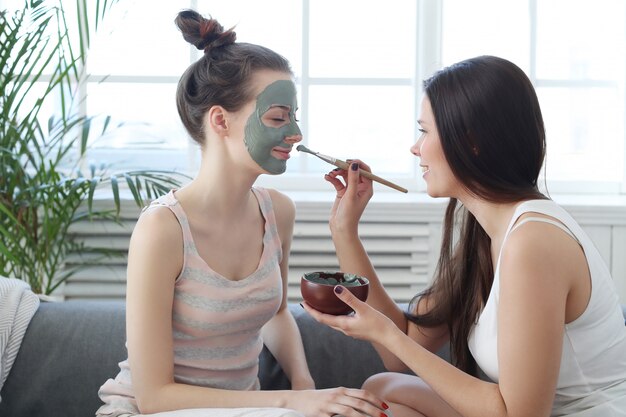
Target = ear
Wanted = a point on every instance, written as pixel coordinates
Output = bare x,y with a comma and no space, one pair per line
217,121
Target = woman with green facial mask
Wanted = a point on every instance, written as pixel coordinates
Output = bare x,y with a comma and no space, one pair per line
207,264
261,138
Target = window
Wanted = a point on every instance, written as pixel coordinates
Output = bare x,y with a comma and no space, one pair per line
355,64
573,53
359,66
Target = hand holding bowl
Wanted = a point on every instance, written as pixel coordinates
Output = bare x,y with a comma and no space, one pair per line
317,290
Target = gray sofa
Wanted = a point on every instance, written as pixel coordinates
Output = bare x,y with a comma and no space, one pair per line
71,348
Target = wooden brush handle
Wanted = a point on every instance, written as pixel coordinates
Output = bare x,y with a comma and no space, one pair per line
344,165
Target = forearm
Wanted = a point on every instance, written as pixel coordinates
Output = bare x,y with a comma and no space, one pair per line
176,396
282,337
354,259
456,387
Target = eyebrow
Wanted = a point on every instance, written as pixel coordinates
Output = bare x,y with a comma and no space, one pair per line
281,106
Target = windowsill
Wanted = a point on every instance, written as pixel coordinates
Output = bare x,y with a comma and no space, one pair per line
587,200
589,208
601,210
396,197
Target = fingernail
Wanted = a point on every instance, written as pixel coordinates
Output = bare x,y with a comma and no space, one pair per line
383,415
338,289
354,166
385,406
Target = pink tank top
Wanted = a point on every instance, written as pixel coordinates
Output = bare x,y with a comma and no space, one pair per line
216,322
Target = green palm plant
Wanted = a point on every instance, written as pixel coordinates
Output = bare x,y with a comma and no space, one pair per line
45,187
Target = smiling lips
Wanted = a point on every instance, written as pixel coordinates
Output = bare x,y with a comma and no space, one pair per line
281,153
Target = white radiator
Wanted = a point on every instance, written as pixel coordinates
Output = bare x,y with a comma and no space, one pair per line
402,240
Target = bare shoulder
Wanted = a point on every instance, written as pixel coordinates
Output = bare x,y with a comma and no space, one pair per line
285,214
158,224
534,238
156,243
284,207
543,253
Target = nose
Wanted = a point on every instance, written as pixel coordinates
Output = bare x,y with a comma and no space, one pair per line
416,148
293,139
293,134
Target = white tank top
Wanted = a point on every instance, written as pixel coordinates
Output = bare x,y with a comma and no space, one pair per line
592,376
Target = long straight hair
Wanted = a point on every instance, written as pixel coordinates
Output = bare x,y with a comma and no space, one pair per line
493,138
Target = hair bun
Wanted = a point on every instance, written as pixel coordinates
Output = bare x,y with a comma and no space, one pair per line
203,33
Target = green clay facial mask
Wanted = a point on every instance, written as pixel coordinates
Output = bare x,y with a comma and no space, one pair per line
334,278
259,138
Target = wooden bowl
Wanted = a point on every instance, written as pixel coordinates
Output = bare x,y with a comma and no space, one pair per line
317,290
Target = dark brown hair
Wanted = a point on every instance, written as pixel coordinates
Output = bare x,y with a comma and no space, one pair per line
223,75
493,138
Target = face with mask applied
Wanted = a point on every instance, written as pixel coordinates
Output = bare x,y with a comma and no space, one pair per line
271,129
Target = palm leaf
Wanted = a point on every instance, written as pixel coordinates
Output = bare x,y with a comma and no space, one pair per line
43,190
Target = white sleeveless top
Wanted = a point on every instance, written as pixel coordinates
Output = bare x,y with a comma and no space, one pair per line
592,376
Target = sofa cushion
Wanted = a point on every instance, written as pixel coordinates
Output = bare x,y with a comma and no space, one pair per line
334,359
70,348
68,351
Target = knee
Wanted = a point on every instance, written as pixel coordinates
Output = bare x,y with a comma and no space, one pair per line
378,384
292,413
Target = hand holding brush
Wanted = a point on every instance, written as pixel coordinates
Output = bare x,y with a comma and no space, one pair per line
344,165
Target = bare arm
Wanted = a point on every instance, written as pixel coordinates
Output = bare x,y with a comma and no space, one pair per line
535,279
155,260
346,212
534,283
281,334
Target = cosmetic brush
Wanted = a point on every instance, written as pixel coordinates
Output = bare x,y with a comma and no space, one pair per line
344,165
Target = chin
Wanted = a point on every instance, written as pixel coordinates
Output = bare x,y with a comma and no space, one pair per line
435,193
277,171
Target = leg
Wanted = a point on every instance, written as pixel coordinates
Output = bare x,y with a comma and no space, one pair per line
408,396
228,412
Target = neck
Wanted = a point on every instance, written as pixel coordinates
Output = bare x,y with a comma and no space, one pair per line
494,218
221,187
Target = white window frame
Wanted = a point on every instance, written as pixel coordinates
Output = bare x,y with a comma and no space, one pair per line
428,43
608,188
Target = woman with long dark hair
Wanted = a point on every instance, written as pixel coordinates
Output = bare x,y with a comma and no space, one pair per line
520,292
